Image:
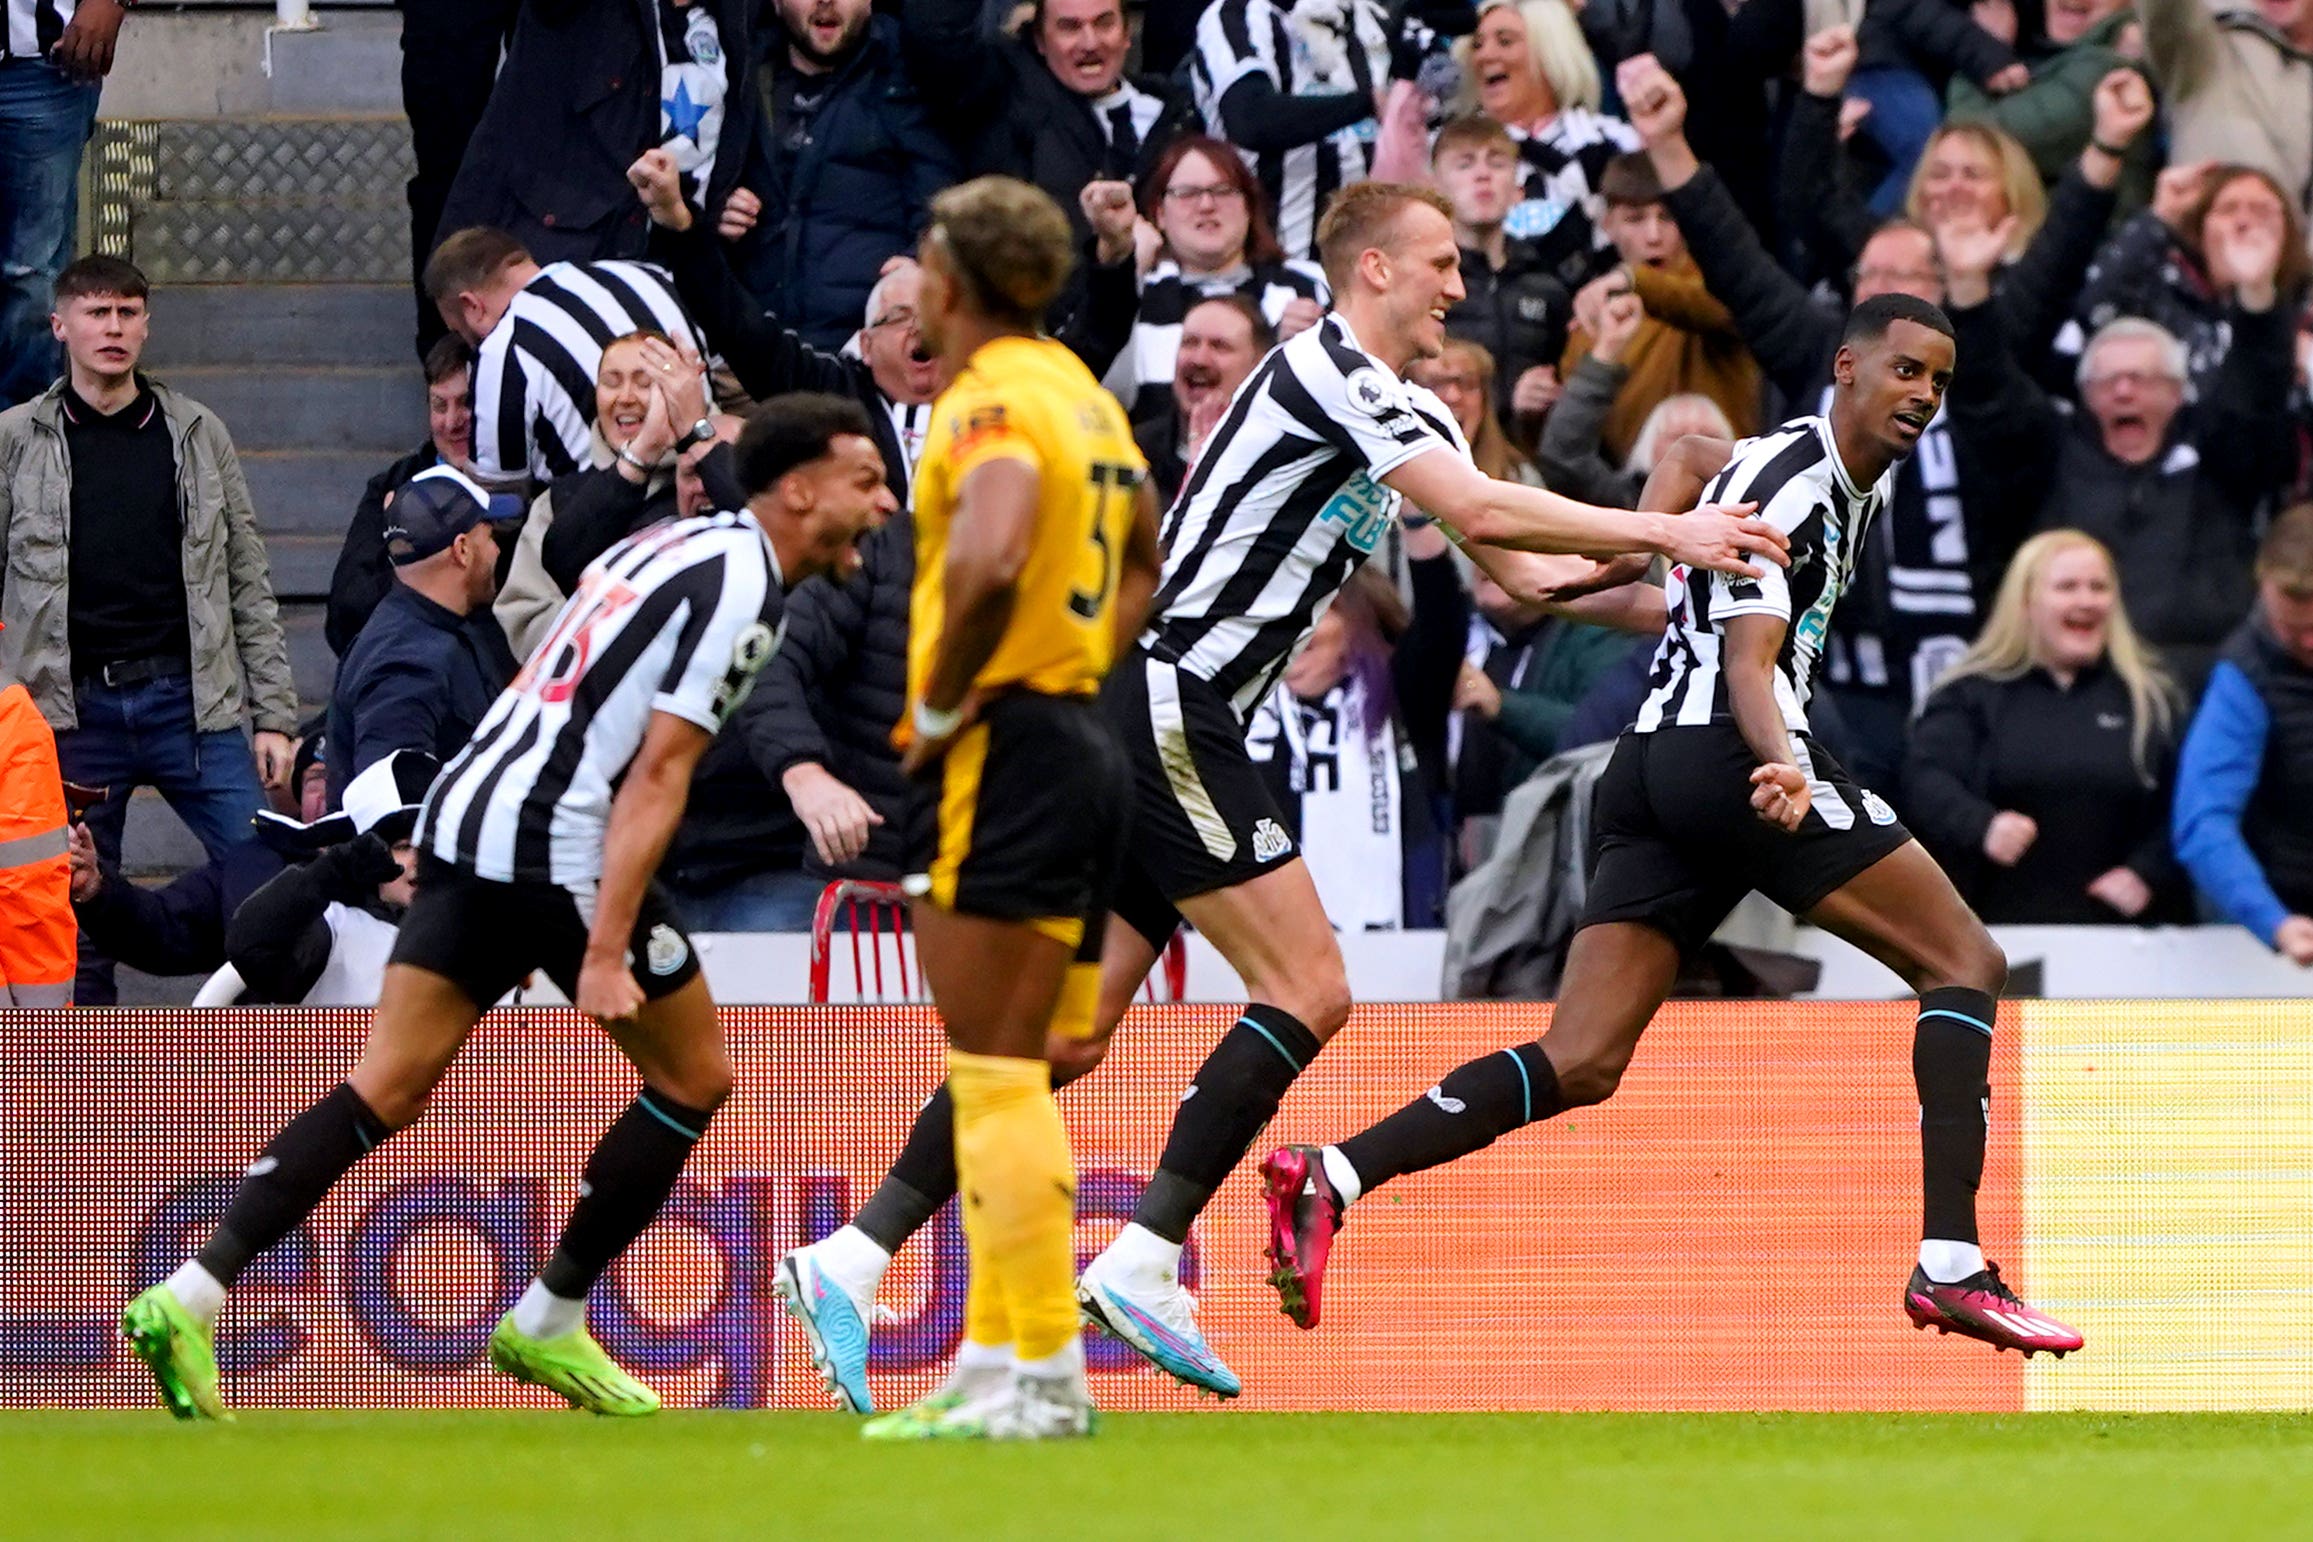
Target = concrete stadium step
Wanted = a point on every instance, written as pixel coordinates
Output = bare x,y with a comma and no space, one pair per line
310,492
302,565
376,408
280,324
310,662
156,841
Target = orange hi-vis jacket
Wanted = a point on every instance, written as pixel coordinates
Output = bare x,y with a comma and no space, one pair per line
37,932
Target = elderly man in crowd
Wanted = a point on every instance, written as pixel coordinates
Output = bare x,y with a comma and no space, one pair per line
1221,340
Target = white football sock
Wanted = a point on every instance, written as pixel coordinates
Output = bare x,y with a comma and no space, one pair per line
1067,1365
197,1290
856,1260
1341,1175
1141,1251
982,1357
1946,1262
544,1315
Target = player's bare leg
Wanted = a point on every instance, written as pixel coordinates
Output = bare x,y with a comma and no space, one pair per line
1617,975
1903,911
420,1023
998,984
1273,931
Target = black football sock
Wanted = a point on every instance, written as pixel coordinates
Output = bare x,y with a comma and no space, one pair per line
1951,1064
1476,1105
922,1177
1236,1092
290,1177
630,1174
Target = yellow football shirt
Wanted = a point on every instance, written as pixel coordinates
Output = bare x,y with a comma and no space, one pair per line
1032,401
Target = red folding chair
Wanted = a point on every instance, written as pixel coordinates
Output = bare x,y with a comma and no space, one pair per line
885,909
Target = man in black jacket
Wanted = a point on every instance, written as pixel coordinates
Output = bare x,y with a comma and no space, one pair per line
363,576
1053,107
845,163
431,660
1222,338
587,85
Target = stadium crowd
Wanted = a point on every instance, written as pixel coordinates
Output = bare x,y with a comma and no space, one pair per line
2078,657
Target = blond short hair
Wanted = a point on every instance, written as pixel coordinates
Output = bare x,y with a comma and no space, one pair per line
1363,216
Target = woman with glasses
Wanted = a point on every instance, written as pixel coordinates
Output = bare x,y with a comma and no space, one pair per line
1206,234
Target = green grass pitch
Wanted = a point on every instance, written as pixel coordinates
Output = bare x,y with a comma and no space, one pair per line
1276,1477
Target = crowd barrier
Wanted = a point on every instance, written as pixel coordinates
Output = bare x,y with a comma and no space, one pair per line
1730,1232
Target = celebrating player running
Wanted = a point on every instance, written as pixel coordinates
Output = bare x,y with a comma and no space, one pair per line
1719,789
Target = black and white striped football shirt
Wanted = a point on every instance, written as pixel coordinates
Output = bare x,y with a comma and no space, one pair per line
1795,476
1302,55
676,618
1285,502
34,26
534,374
1145,369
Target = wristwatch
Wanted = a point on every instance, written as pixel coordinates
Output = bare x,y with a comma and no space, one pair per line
698,433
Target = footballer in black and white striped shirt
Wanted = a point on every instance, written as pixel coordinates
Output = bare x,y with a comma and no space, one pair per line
1717,791
537,847
538,335
1296,487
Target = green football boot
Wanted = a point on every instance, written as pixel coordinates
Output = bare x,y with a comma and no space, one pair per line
574,1368
179,1349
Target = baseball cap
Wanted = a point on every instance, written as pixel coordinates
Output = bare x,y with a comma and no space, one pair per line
435,507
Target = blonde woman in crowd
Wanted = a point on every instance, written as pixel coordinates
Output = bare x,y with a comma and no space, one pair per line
2042,765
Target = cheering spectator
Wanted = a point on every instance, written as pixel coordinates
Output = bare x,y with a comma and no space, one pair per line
844,170
1055,107
2173,490
642,391
1213,221
48,92
537,335
2042,765
1975,171
2239,85
1511,305
1462,376
1221,340
363,574
431,660
1686,343
1529,70
138,607
1349,740
2244,807
821,720
1910,50
2159,265
1572,456
2054,117
586,86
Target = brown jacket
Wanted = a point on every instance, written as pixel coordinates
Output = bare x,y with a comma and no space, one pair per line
1686,342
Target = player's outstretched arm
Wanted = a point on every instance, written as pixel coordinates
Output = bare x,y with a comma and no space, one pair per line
642,824
1778,786
988,544
1479,508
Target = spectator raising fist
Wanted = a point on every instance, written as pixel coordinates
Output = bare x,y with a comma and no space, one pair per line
1827,61
1657,106
660,187
1971,252
2123,109
1616,324
1300,314
2245,257
2009,836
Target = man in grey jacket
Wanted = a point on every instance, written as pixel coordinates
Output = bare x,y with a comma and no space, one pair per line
137,603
